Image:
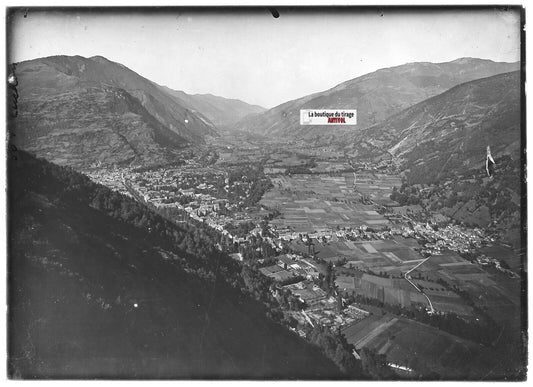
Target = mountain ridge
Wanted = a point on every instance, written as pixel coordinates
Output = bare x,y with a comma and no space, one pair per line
222,112
472,115
100,70
93,111
376,96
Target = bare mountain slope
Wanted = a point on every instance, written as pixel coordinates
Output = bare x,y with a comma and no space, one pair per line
80,111
223,112
449,133
376,96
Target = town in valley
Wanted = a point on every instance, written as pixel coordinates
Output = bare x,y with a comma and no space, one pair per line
176,211
339,251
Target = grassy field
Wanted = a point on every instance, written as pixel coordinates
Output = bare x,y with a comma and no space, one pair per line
377,187
420,347
311,203
496,292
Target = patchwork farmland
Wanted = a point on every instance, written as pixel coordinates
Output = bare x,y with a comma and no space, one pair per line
311,203
392,256
335,219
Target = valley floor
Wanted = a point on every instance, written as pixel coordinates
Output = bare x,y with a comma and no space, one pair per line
433,296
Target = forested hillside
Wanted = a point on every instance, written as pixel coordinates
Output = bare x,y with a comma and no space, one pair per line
101,285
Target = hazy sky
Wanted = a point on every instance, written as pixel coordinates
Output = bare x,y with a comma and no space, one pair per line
259,59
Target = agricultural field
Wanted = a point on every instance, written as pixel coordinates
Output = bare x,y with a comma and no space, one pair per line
391,256
286,159
377,186
372,263
405,342
310,203
497,295
328,166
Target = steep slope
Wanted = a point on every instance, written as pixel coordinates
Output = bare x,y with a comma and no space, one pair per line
441,143
449,133
376,96
222,112
100,287
77,110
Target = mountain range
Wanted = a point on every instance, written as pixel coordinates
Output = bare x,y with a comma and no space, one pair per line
222,112
91,111
376,96
449,132
87,111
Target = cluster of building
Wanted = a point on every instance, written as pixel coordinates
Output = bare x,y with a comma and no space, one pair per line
112,179
190,188
317,307
322,310
452,237
350,233
290,266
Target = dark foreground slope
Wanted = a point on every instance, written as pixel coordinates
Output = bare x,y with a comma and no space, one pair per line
101,287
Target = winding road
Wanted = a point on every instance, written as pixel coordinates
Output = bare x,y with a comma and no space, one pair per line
408,279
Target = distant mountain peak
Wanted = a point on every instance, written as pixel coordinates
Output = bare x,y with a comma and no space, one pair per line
103,59
221,111
468,59
99,57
